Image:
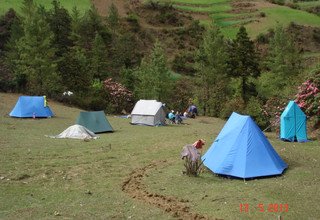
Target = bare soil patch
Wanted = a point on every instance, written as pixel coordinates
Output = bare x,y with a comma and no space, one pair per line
176,207
103,6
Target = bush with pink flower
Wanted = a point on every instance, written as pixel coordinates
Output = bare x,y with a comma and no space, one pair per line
121,98
308,97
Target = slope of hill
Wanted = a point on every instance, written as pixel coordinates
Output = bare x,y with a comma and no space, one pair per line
258,15
82,5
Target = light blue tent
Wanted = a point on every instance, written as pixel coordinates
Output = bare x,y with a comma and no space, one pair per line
31,106
242,150
293,124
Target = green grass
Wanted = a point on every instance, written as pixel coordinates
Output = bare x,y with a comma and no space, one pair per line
282,15
308,4
220,11
199,2
82,5
209,9
45,177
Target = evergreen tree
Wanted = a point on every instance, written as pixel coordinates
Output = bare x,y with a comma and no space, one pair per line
98,59
113,18
211,76
34,55
283,65
8,24
153,76
60,24
243,63
76,19
75,65
75,73
90,25
128,78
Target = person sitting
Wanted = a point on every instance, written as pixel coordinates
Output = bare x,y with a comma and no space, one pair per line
193,111
178,118
171,116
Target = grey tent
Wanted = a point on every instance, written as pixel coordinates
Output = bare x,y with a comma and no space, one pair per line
148,112
95,121
76,132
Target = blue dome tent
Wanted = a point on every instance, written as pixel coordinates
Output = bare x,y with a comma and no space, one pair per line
242,150
31,106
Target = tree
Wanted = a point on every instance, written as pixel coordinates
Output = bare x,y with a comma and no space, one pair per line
283,65
98,58
153,76
211,72
75,71
60,24
243,63
113,18
8,23
34,54
90,25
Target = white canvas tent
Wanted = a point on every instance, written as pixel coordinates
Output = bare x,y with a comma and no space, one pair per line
148,112
76,132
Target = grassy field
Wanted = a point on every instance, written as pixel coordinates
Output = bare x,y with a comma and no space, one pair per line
308,4
221,11
282,15
82,5
43,178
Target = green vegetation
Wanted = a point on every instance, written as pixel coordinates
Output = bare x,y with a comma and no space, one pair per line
59,178
308,4
284,16
200,2
229,21
82,5
217,8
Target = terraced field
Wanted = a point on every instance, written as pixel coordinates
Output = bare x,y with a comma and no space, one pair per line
258,15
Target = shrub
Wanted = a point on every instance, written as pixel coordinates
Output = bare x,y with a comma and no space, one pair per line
193,168
133,19
272,110
255,110
262,14
308,97
262,39
120,97
236,104
293,5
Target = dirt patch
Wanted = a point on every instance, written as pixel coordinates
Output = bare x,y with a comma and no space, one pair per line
178,208
103,6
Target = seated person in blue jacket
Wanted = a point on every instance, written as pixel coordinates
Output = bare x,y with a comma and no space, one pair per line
171,116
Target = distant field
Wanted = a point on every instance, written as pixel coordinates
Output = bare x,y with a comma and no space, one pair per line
308,4
229,17
282,15
82,5
43,178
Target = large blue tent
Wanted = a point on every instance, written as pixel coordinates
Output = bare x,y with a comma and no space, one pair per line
31,106
242,150
293,123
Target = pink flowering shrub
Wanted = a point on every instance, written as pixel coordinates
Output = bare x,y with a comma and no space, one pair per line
120,97
273,110
308,98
